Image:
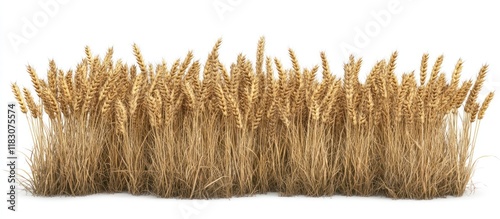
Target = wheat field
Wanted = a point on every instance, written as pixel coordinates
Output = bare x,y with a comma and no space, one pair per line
193,130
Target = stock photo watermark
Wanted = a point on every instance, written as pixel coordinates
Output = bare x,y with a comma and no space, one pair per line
223,7
364,34
31,25
192,209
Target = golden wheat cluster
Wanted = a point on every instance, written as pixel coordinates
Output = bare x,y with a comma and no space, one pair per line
173,132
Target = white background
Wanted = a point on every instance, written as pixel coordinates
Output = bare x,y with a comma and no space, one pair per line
32,33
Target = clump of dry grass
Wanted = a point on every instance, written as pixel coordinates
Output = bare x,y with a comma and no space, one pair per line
110,127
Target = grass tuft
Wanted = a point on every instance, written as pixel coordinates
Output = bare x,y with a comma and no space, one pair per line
111,127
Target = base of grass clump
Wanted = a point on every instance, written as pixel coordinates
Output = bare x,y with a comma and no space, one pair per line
109,127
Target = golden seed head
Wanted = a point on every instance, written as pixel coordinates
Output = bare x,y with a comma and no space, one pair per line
423,68
485,105
19,98
121,117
